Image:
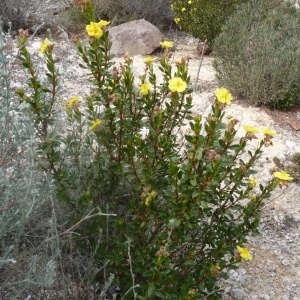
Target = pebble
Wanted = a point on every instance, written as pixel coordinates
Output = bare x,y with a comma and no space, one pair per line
265,297
237,293
232,274
285,262
277,252
271,267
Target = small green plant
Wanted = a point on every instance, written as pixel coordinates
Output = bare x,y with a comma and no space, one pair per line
202,18
257,53
176,214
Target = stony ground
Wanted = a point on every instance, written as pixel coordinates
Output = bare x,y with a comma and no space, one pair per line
274,272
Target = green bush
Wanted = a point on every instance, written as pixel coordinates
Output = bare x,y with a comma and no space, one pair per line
163,218
257,55
203,18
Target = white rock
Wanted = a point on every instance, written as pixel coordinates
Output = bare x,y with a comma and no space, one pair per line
238,294
285,262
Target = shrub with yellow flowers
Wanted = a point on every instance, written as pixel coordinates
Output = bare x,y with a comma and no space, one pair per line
202,18
182,211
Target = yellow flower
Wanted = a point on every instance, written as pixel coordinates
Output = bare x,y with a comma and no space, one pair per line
176,84
149,59
252,182
144,88
244,253
250,129
102,23
190,2
94,30
283,176
95,125
148,201
73,103
223,95
183,9
177,20
268,132
44,46
167,44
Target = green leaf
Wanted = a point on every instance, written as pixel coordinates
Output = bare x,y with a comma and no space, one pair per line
193,181
175,222
195,193
164,272
204,204
151,290
199,154
26,65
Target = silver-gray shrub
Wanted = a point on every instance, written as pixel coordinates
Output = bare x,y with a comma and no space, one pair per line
37,258
25,198
257,55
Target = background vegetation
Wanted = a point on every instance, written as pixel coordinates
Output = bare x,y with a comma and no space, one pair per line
257,55
203,18
157,12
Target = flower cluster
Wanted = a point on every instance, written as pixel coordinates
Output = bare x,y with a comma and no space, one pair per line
149,59
144,88
252,182
95,125
167,44
45,46
223,96
244,253
73,103
283,176
94,29
268,134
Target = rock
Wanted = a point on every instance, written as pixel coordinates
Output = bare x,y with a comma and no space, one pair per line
242,271
294,125
271,267
232,273
277,252
237,294
285,262
265,297
138,37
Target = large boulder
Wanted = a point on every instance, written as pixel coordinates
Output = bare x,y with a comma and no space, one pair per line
136,37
